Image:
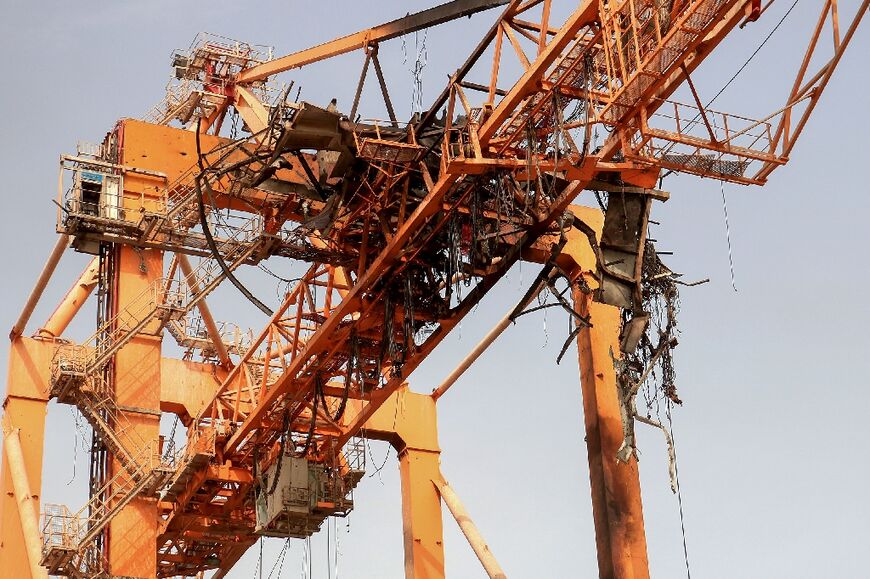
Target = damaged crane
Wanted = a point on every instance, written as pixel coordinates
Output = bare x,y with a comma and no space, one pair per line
397,230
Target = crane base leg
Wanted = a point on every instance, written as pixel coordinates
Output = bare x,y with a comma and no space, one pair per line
616,501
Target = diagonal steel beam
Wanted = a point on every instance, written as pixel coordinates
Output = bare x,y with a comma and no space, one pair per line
405,25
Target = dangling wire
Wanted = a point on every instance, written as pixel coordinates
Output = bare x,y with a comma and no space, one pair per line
198,182
380,468
234,129
285,425
77,421
170,446
318,382
337,545
260,560
311,427
279,562
408,315
306,559
328,551
727,233
679,493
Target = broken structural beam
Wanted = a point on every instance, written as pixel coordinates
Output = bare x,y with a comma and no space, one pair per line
399,27
459,75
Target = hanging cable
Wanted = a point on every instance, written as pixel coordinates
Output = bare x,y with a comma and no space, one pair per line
206,230
336,546
377,471
679,492
306,558
727,233
285,426
318,382
310,561
170,446
276,276
752,56
328,552
260,561
279,561
311,427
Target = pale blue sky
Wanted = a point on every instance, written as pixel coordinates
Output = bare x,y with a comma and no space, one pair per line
771,437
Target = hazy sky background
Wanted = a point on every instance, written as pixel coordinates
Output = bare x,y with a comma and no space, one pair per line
772,435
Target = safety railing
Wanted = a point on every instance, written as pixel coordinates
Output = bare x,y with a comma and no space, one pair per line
65,533
385,150
91,196
643,40
164,300
460,137
227,47
704,142
190,332
60,527
202,74
178,102
86,149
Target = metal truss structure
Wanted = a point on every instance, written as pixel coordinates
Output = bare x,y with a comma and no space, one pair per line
402,227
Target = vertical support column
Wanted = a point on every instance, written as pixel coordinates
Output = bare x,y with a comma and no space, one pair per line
24,409
132,534
421,514
408,421
616,501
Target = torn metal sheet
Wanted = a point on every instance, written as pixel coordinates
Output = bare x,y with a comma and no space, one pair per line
622,244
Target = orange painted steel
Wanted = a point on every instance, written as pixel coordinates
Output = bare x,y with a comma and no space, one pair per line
616,499
408,421
72,302
24,408
27,510
333,360
210,325
361,40
136,369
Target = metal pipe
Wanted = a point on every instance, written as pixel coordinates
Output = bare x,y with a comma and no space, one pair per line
469,529
485,343
26,506
399,27
72,301
47,271
479,349
205,312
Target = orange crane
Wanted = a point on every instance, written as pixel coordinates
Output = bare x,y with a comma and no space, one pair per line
405,226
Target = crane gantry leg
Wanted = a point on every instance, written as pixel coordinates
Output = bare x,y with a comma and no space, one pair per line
407,420
132,533
616,501
24,411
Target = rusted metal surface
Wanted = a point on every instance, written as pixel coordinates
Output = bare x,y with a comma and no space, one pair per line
405,227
